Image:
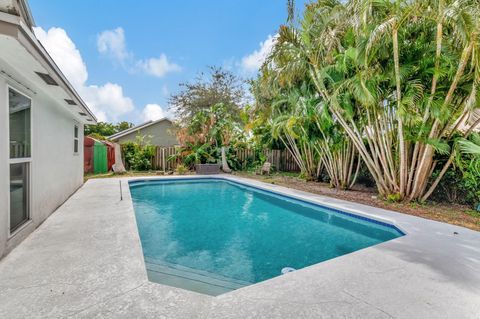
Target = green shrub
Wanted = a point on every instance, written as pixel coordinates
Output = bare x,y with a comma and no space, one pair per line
461,183
469,164
192,154
138,155
231,156
451,187
364,177
181,169
471,181
394,198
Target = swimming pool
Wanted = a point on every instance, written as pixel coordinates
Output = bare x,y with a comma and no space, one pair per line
213,235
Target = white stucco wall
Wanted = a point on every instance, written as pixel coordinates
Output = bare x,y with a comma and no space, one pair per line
56,172
4,183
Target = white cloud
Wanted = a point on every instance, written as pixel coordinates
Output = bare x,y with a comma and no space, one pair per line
62,49
251,63
158,66
106,101
112,43
153,112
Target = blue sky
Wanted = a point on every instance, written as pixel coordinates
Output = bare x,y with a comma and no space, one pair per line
125,58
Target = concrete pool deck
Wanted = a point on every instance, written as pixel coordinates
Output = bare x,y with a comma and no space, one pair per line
86,261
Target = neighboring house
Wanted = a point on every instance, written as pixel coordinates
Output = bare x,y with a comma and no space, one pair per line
160,132
473,119
41,129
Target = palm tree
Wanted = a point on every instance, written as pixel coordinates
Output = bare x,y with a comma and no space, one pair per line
471,146
399,77
293,124
304,124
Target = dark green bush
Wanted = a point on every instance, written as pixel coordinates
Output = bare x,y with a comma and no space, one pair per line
232,158
138,155
461,183
471,181
451,187
364,177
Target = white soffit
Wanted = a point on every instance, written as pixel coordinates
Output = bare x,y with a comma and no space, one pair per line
18,65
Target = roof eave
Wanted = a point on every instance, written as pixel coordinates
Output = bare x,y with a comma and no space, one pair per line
27,39
56,70
136,128
28,13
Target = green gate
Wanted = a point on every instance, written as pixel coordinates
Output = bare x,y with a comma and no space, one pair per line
99,158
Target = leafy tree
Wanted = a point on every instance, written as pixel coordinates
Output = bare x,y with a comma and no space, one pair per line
104,129
218,86
122,126
208,136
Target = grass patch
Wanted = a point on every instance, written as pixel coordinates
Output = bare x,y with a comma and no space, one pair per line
473,213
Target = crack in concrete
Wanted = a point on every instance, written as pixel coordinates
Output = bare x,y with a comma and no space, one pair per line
367,303
386,270
275,300
104,300
37,286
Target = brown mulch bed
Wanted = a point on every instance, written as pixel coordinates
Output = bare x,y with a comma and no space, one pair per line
455,214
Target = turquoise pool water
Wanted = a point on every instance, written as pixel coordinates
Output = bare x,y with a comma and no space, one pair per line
214,235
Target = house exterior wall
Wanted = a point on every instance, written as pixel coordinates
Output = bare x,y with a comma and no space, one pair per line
17,8
4,183
162,134
55,171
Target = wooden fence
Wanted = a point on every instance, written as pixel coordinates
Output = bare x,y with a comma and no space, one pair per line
162,160
281,160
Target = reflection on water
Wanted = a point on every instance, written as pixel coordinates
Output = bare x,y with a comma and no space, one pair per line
248,203
241,233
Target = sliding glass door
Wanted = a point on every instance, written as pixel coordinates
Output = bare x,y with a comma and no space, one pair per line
20,157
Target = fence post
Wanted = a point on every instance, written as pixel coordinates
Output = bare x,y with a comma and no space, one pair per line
163,159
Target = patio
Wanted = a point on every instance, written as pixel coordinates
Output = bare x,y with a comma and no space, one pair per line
85,261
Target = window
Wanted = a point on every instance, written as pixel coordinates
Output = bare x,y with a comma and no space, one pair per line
75,139
19,194
19,114
20,156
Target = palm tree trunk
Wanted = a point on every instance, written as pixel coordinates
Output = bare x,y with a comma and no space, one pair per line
433,89
424,166
402,151
225,167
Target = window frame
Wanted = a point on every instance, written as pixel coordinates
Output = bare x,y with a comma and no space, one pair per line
20,160
76,139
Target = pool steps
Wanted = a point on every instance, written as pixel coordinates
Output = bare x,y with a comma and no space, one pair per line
191,279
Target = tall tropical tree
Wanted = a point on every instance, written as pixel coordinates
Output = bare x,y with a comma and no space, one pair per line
399,77
305,126
294,123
